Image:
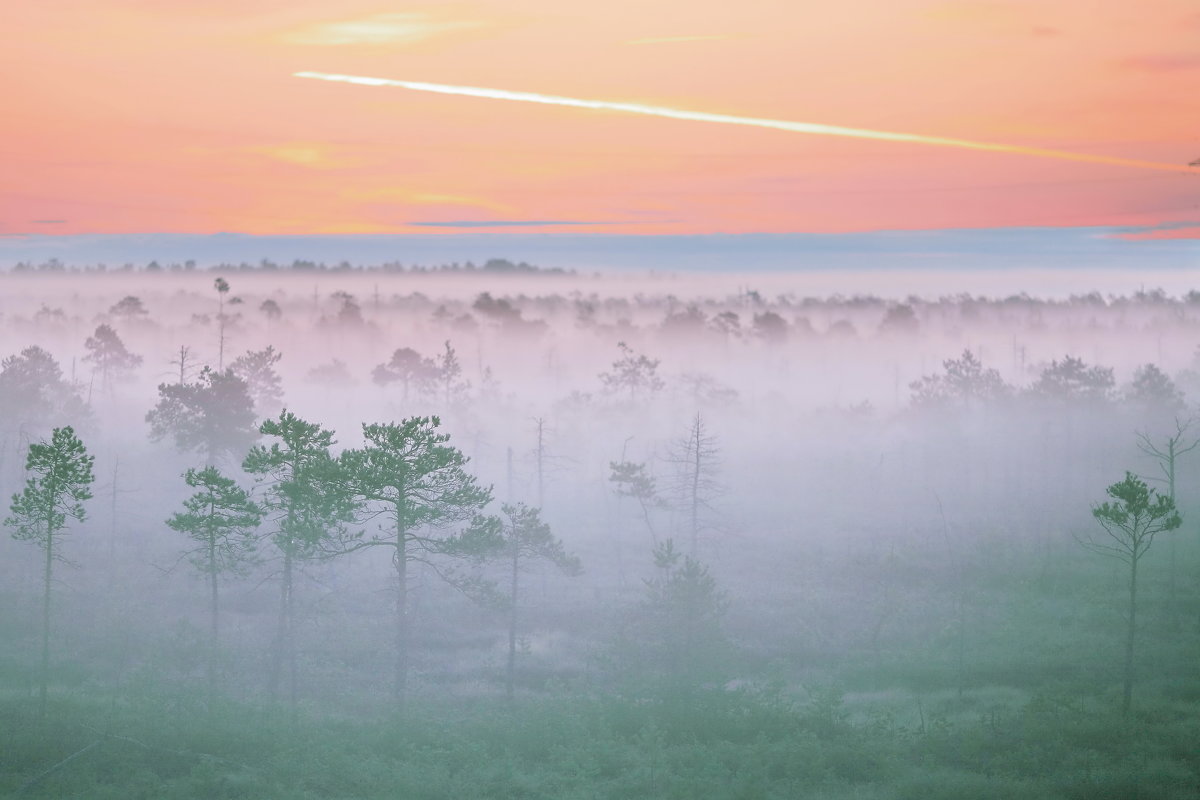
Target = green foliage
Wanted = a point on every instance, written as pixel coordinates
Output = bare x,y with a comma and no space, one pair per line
60,482
528,537
220,518
1131,520
673,640
306,495
633,479
408,474
416,485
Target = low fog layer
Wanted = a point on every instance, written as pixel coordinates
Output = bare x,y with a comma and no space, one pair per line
888,496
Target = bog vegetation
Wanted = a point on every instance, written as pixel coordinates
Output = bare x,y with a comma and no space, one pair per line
521,533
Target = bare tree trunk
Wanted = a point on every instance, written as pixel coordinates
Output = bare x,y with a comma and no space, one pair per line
1127,700
214,630
402,622
112,530
283,631
1173,597
221,334
541,453
291,641
46,620
512,623
696,436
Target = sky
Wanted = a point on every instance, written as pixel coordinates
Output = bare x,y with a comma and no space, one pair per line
186,117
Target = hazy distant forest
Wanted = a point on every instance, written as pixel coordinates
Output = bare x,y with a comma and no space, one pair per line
318,532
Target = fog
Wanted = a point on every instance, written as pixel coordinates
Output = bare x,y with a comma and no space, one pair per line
885,484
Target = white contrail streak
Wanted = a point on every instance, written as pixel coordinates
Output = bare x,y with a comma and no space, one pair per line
728,119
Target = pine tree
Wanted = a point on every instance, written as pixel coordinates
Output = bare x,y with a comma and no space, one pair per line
1131,520
416,485
213,415
257,369
220,519
110,356
528,538
60,482
308,506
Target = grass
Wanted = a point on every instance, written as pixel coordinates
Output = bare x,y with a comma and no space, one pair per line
720,744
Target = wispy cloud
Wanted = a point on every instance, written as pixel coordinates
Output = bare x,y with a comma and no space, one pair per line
1185,229
1162,63
811,128
304,154
379,29
48,222
393,194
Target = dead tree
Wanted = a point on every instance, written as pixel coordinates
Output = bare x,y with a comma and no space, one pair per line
1167,452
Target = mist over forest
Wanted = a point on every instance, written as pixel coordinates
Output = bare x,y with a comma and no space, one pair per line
509,531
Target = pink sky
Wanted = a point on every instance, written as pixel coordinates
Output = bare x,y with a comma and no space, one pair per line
183,116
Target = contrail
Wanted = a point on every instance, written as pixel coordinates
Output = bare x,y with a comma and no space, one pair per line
756,122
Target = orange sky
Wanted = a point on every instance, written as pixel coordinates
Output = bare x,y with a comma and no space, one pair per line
183,116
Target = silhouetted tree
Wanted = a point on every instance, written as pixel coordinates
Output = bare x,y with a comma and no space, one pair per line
633,479
965,384
410,369
34,393
185,362
222,287
271,310
1071,381
770,327
1131,520
1167,451
213,416
500,310
349,313
129,308
695,457
220,519
60,481
727,323
632,373
1152,392
257,369
899,319
686,323
449,377
109,355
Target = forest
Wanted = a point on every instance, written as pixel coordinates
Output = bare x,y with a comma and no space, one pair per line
503,531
